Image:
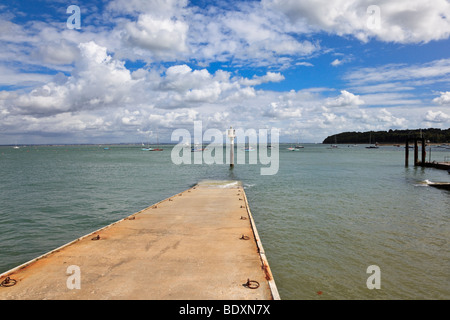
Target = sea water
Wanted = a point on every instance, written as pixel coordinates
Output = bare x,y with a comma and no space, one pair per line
324,218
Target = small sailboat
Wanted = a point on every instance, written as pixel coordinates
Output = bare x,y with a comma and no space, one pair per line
334,146
370,144
297,147
197,148
157,143
144,148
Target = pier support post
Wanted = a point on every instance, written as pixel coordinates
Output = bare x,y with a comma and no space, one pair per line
416,152
406,152
424,153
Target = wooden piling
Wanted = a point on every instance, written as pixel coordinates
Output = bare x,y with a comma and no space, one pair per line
424,153
407,153
416,153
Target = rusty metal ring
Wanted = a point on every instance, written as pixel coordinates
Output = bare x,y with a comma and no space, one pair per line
244,237
8,282
243,218
96,238
252,284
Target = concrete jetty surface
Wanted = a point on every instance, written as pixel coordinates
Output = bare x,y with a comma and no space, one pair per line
200,244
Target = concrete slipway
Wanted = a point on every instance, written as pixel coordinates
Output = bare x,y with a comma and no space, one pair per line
201,244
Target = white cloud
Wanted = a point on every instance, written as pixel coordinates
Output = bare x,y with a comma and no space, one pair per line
102,98
161,36
437,117
268,77
387,117
279,110
336,62
58,52
99,81
305,64
247,33
402,21
159,7
346,99
11,76
400,72
444,99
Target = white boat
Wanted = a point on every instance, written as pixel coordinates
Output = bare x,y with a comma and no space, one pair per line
296,148
144,148
371,146
197,148
334,146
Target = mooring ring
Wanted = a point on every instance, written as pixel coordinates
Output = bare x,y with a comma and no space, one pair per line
8,282
252,284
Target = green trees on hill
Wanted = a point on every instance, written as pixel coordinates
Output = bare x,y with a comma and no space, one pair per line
391,136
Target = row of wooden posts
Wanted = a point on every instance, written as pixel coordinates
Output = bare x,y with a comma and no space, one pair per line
416,151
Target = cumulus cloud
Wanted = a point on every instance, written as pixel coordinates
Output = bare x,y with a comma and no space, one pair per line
141,64
345,99
387,117
102,88
159,7
444,99
278,110
58,52
403,21
186,87
98,81
161,36
437,117
248,34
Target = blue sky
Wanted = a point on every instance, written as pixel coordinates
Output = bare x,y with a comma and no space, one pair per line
310,68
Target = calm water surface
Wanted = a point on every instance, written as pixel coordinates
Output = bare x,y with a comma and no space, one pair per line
324,218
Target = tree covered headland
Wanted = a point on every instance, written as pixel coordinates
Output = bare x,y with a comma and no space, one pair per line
391,136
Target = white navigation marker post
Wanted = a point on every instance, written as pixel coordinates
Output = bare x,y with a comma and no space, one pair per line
231,134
